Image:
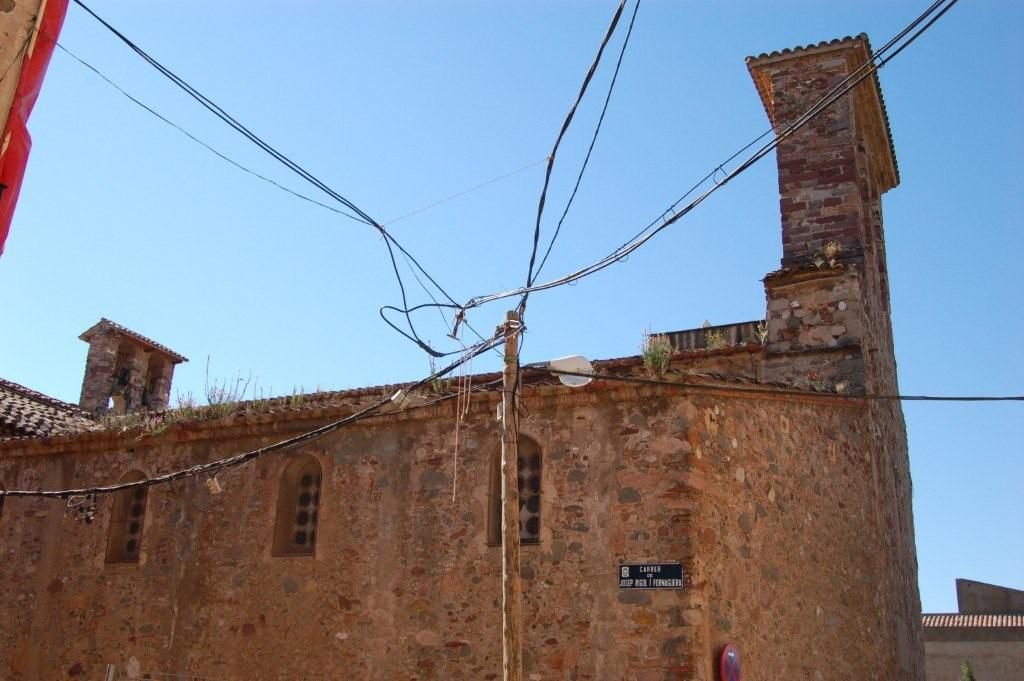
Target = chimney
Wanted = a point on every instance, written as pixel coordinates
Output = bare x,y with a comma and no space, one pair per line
832,291
833,170
125,371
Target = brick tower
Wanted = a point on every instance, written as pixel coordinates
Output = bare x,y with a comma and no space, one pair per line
828,316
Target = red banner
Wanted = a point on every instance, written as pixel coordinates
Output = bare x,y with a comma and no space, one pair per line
16,142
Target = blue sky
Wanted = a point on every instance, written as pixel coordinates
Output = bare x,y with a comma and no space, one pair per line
400,104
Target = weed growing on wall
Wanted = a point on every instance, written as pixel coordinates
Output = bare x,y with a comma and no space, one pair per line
656,352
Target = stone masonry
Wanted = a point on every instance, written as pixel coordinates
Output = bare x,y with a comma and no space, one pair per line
127,369
788,509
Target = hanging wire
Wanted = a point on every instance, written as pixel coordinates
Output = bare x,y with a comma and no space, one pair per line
673,214
230,462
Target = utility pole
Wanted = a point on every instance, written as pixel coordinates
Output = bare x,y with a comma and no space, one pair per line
511,588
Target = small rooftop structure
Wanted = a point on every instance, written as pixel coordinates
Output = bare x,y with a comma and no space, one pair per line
125,371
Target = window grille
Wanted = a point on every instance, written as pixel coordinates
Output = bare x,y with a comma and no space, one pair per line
127,516
529,471
298,505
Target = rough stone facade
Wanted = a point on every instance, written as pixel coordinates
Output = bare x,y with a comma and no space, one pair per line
789,510
403,584
125,371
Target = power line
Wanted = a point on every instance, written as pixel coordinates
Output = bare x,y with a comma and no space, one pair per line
230,120
17,55
259,176
197,140
558,141
469,190
389,240
794,392
593,141
359,215
672,214
214,467
412,262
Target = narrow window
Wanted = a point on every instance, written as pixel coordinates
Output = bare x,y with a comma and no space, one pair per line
529,468
2,500
127,515
298,501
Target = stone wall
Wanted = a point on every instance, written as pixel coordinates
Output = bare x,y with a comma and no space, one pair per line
761,499
991,660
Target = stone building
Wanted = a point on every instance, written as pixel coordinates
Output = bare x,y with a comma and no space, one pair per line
371,553
987,631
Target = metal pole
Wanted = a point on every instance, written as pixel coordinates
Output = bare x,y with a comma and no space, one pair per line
511,588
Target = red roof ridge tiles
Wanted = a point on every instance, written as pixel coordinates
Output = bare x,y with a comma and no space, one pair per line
974,621
824,45
105,323
807,48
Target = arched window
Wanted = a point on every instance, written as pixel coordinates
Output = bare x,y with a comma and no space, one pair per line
529,495
127,515
298,501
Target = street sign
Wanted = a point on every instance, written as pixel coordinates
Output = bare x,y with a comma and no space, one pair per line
651,576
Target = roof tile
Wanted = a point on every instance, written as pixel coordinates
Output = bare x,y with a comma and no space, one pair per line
956,619
105,323
29,413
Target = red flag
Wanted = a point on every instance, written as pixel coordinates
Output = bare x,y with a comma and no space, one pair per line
16,142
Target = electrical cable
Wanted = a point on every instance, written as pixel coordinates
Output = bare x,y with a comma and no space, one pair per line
768,390
195,139
672,215
475,187
230,120
409,259
214,467
17,55
558,141
245,169
359,214
593,141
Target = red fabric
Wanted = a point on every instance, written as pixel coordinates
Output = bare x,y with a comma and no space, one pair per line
15,142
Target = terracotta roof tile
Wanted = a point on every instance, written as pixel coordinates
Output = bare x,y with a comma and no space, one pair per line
105,323
807,48
29,413
948,620
851,40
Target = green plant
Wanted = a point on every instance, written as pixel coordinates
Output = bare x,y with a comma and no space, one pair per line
831,251
762,331
260,402
966,673
223,391
828,254
656,352
714,339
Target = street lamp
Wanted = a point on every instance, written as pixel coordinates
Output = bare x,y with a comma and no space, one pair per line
574,364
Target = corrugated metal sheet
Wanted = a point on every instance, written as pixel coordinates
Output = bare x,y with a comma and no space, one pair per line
740,333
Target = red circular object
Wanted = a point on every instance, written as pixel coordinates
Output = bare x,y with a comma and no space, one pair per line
729,664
